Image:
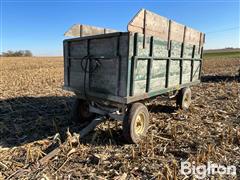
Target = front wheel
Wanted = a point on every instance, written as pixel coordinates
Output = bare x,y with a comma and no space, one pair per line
184,98
135,125
81,113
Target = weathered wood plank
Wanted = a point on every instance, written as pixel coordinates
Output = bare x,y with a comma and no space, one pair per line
155,25
158,76
196,69
81,30
186,71
105,78
174,73
66,65
140,77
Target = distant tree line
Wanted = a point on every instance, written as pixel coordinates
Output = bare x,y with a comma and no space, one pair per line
20,53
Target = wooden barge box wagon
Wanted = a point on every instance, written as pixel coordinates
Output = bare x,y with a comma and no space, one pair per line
112,73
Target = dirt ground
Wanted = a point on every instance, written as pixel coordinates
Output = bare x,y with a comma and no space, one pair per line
35,119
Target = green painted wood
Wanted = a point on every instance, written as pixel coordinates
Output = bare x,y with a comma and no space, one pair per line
158,76
116,75
140,77
157,82
160,48
186,72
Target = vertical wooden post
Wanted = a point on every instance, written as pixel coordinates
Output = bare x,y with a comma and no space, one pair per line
133,64
81,30
149,66
200,43
169,34
168,65
144,29
201,63
66,63
192,62
118,55
182,55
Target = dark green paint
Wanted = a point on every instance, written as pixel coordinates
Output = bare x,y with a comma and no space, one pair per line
133,71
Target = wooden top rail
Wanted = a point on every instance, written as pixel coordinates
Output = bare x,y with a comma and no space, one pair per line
80,30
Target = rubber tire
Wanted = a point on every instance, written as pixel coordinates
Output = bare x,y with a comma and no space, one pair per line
80,112
181,100
129,121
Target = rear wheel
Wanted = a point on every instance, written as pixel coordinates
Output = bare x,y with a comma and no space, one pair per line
184,98
135,124
81,113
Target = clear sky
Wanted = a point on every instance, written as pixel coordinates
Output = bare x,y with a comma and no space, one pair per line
39,25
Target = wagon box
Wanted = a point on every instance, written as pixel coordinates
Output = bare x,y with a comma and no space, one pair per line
111,72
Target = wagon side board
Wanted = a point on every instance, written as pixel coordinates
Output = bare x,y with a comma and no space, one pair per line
156,68
130,66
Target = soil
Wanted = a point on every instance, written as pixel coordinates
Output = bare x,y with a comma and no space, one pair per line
35,119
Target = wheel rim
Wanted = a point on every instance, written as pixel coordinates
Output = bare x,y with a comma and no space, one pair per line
187,99
139,124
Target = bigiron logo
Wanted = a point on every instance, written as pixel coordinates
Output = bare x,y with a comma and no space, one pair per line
202,171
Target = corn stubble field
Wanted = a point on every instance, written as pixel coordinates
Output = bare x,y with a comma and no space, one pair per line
35,119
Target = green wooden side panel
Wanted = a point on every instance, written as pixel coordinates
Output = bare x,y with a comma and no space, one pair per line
158,75
176,49
117,78
140,77
196,69
174,73
186,77
188,50
130,58
101,47
197,53
105,79
143,51
160,48
78,49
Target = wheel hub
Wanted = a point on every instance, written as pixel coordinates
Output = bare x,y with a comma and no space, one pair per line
139,124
